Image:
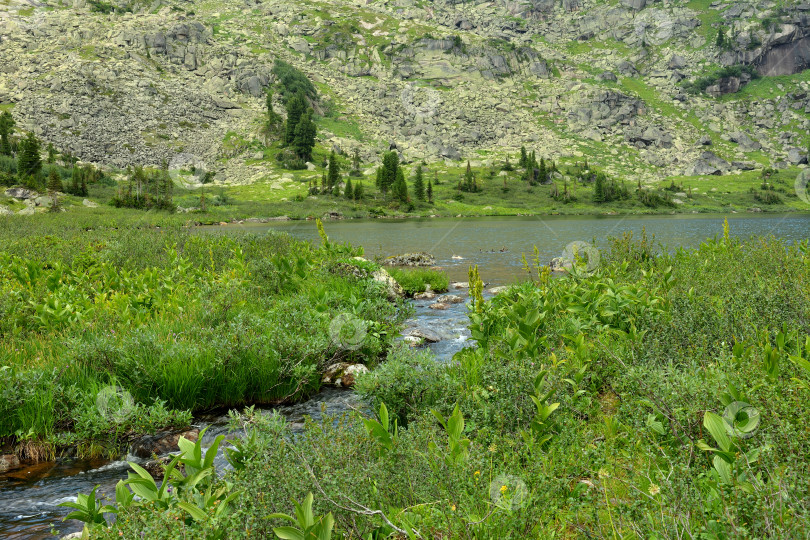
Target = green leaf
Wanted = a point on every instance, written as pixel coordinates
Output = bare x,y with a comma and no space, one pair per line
384,416
195,512
723,469
717,427
288,533
281,516
143,473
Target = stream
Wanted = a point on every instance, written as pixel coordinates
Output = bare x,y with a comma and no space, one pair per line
29,496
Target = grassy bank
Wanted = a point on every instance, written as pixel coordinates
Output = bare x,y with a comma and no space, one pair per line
659,396
501,192
111,329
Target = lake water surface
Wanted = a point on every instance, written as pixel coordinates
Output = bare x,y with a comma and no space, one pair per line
481,240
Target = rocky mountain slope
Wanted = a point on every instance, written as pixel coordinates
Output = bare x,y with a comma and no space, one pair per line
184,80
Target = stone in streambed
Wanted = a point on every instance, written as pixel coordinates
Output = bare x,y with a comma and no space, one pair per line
427,295
8,462
343,374
423,333
161,443
449,299
411,259
438,305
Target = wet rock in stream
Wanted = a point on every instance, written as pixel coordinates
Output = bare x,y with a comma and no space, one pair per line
161,443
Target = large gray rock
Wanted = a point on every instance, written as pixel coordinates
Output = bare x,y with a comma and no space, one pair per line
677,62
635,4
708,164
746,143
21,193
728,85
423,333
796,156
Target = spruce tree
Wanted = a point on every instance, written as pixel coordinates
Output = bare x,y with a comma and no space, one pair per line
469,179
523,156
29,162
419,184
55,181
83,190
378,181
543,173
358,192
390,168
400,187
348,191
430,191
6,129
721,38
599,189
323,183
51,153
305,133
296,107
334,172
74,181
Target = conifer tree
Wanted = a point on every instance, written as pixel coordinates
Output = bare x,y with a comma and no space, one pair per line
323,183
29,162
6,129
55,181
388,172
334,172
543,173
400,189
419,184
358,192
523,156
348,192
305,133
74,181
296,106
51,153
430,191
469,179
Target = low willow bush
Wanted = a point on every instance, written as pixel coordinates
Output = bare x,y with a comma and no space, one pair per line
416,280
172,320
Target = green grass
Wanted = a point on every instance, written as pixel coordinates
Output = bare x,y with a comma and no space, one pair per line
416,280
584,406
103,299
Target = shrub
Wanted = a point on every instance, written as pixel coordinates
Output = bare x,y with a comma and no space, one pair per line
416,280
